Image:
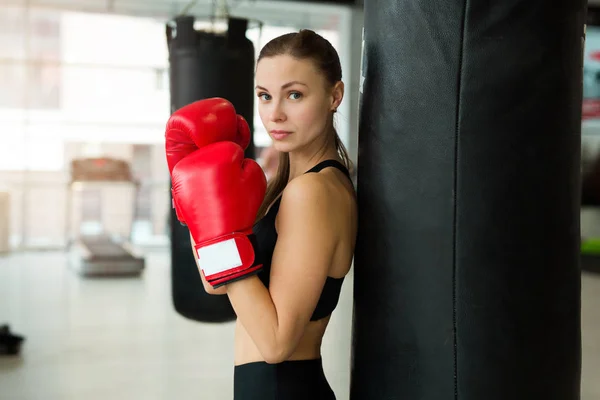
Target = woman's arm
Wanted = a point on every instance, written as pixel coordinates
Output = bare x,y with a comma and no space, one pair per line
207,286
275,318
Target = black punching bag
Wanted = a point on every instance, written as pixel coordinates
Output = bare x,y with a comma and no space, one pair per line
204,65
467,279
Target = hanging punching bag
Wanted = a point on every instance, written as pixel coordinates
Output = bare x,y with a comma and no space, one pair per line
467,279
204,65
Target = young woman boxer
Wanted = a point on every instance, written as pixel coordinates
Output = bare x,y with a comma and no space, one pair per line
306,227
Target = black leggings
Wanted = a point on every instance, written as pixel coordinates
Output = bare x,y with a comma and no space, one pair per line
289,380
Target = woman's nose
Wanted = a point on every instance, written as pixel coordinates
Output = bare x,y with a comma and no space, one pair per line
277,113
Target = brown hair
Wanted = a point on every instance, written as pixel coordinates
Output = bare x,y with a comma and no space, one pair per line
302,45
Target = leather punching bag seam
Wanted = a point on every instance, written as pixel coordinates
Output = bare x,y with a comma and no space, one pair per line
455,183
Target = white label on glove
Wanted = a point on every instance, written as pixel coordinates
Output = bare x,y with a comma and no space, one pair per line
219,257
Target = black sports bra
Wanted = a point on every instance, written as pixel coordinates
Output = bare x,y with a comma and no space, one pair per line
266,237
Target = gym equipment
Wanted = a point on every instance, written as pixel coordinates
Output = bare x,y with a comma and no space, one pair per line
590,255
203,65
590,205
108,250
467,278
212,64
590,148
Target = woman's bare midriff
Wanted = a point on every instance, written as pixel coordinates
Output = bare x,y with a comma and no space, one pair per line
309,347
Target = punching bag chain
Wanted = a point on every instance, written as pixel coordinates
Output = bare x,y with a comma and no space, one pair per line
188,7
220,9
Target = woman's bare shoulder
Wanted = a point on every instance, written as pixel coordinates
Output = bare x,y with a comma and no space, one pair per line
313,193
306,192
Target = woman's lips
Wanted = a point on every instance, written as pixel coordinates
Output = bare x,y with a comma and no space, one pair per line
278,135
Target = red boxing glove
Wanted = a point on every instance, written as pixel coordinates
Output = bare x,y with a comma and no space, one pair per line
199,124
218,193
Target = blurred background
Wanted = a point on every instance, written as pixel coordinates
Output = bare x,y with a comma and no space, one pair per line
85,249
87,306
91,80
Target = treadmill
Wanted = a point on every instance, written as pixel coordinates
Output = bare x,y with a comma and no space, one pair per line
106,250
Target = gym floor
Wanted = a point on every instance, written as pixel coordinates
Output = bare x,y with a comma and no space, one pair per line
121,338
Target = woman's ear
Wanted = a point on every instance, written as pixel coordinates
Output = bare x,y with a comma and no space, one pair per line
337,95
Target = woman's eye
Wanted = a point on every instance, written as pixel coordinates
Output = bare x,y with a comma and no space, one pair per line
295,95
264,96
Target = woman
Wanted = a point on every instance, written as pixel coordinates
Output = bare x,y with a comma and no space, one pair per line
306,227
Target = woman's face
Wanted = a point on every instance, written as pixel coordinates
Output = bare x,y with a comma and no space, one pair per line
295,102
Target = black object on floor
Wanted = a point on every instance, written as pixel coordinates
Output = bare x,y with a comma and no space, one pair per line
10,344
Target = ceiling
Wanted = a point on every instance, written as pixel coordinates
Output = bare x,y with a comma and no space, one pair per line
308,13
283,13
